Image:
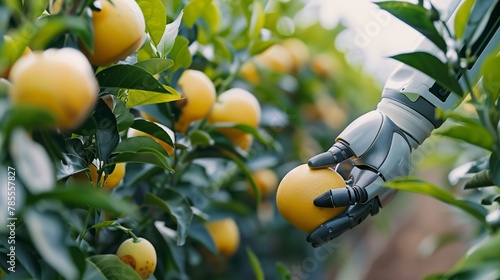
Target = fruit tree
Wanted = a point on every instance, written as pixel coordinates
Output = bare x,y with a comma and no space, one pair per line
146,139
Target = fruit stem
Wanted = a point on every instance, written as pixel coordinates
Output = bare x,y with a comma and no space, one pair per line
128,231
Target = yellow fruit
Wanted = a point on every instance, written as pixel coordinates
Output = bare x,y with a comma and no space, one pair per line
170,150
78,178
249,72
323,64
199,96
60,81
243,141
119,31
141,256
266,180
113,179
235,106
276,58
225,234
265,212
296,194
298,50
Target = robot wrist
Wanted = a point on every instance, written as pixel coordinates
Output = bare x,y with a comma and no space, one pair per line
416,119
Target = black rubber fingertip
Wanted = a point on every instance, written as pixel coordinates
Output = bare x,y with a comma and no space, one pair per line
320,161
324,200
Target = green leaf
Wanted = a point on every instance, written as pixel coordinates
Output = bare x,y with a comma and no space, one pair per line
254,261
495,167
142,97
47,233
156,18
177,207
462,17
51,27
177,257
473,134
481,262
35,8
29,117
32,163
73,156
257,20
108,267
422,187
247,129
168,39
285,26
417,17
433,67
485,251
475,26
453,115
227,153
180,54
199,232
481,179
491,74
124,118
200,138
88,197
153,130
142,87
105,224
283,273
258,46
212,16
141,149
155,65
107,136
193,10
222,49
144,157
129,77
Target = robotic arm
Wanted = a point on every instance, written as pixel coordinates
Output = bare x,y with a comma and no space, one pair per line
377,146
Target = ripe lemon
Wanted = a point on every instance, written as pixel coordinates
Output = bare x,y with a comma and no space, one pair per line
276,58
235,106
119,31
298,50
267,181
199,96
225,234
324,65
170,150
113,179
243,141
296,194
61,81
249,72
141,256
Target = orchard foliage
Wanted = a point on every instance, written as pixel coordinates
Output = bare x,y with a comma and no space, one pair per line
72,206
69,226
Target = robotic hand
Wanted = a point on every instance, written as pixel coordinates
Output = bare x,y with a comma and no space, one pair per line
371,150
377,146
